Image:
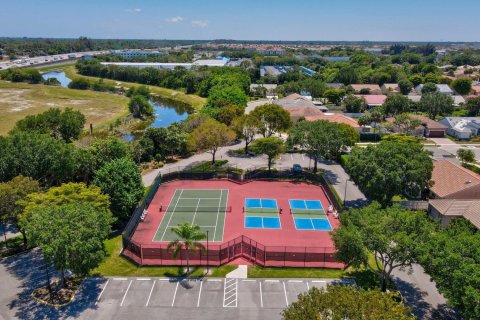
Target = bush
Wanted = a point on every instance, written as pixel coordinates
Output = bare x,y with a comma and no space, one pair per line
79,84
344,160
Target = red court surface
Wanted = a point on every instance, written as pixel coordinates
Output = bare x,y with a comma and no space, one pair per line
299,247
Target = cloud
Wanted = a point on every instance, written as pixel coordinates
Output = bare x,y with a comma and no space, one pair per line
174,19
134,10
199,23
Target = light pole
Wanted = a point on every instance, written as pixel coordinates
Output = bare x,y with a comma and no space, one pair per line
207,253
345,194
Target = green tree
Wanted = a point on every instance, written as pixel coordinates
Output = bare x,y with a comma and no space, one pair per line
121,179
395,104
462,86
346,302
140,90
71,235
429,87
189,237
272,118
321,139
347,75
272,147
451,257
335,96
165,142
79,84
352,104
66,124
221,95
140,107
436,104
466,155
392,235
210,136
406,124
391,168
405,86
473,106
108,149
11,194
246,128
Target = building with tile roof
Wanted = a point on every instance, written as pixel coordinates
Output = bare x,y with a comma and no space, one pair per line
448,209
451,181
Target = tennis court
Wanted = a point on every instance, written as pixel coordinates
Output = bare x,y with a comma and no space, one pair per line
204,207
309,215
261,214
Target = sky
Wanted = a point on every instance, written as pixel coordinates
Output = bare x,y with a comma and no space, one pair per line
355,20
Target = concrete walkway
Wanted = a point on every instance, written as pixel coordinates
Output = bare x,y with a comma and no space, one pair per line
239,273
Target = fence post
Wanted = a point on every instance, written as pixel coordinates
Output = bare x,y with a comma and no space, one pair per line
284,256
305,258
141,254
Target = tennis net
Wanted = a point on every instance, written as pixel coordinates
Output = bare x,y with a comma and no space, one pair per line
308,212
196,209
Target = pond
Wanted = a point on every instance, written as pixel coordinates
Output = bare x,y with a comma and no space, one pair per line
59,75
168,112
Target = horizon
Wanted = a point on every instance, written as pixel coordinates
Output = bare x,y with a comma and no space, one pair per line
349,21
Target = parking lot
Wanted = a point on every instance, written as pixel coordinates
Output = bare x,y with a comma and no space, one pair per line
224,298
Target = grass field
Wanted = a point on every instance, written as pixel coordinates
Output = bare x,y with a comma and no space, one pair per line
18,100
116,265
193,100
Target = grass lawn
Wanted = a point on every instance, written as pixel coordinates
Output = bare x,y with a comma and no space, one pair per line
59,66
116,265
18,100
193,100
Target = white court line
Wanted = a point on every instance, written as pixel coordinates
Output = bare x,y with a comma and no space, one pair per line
199,294
175,294
201,198
120,279
218,213
285,290
98,299
261,296
143,279
151,290
125,295
166,211
295,281
195,214
171,215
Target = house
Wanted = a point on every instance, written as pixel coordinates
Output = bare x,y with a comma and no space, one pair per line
372,88
476,90
428,128
462,128
390,88
335,117
373,100
451,181
441,88
334,85
458,100
448,209
270,90
300,106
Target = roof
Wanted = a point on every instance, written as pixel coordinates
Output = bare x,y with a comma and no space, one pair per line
476,89
458,100
266,86
442,88
429,123
373,99
371,87
334,117
465,124
469,209
450,179
335,85
392,86
297,112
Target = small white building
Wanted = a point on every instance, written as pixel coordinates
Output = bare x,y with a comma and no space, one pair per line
462,128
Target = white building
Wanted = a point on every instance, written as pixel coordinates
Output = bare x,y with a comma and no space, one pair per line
462,128
170,65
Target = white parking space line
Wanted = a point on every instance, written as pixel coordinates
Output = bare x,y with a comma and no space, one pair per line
297,281
164,279
261,296
215,280
126,291
248,280
303,157
319,281
276,281
120,279
285,290
199,294
308,287
230,292
101,292
175,294
143,279
150,295
291,156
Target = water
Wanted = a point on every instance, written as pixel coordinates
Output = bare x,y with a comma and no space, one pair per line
60,76
167,113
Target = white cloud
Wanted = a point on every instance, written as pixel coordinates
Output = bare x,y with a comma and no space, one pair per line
133,10
174,19
199,23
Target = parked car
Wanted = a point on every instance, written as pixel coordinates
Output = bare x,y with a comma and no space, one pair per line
297,168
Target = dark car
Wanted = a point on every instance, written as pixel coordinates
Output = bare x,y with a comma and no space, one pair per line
297,168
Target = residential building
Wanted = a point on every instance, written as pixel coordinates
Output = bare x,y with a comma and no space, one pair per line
300,106
373,88
270,90
462,128
448,209
441,88
451,181
428,128
373,100
335,117
390,88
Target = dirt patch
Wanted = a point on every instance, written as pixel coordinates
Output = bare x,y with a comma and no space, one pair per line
59,296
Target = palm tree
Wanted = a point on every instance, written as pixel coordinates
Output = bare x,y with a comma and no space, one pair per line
188,235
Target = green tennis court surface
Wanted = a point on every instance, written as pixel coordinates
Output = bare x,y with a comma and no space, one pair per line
206,208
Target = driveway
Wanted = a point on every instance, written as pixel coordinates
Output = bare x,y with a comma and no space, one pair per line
452,147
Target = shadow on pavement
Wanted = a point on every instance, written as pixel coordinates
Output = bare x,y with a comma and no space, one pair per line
29,268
